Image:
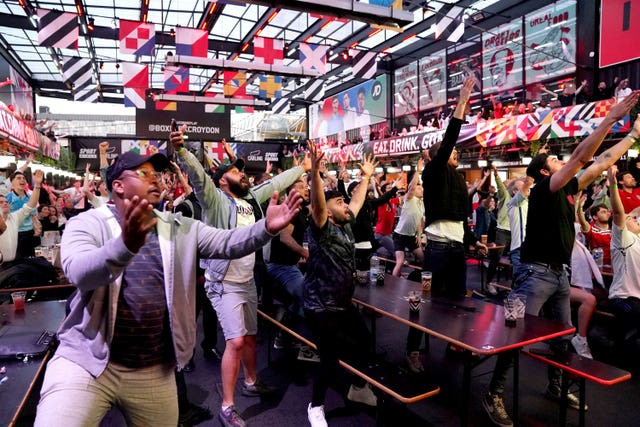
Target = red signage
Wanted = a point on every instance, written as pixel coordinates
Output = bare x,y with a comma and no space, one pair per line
23,134
619,26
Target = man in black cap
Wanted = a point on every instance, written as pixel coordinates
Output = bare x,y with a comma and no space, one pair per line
230,285
132,319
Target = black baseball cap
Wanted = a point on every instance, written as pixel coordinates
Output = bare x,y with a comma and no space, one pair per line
131,160
226,167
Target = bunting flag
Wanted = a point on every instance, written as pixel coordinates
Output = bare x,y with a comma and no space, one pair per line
315,91
135,79
88,94
454,16
313,56
176,79
365,65
192,42
78,72
242,109
268,51
270,87
57,29
166,106
137,38
395,4
281,106
235,83
229,2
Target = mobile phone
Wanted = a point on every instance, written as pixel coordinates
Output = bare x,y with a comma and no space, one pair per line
174,125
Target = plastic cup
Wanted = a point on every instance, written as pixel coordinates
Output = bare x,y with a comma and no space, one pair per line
362,277
426,281
483,239
414,301
510,312
521,306
38,251
18,299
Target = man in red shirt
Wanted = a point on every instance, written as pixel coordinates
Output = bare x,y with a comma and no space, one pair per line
385,223
629,194
598,232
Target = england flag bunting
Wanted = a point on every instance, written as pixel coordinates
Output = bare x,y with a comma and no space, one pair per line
57,29
281,106
137,38
135,79
192,42
365,64
268,51
314,92
313,56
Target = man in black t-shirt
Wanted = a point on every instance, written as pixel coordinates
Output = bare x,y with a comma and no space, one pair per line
550,235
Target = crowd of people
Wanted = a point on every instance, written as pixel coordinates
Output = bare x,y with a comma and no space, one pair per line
149,242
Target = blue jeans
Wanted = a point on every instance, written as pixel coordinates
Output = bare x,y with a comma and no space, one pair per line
290,278
547,291
514,255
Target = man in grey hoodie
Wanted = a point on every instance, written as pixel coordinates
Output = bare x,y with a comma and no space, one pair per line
132,319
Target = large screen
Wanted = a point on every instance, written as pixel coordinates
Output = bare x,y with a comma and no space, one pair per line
15,93
355,108
619,32
432,80
502,58
405,90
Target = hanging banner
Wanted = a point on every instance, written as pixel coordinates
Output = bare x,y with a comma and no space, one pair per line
432,80
502,58
86,149
550,34
405,90
619,23
461,64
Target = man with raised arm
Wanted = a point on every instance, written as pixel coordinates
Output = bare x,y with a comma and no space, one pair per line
329,284
550,235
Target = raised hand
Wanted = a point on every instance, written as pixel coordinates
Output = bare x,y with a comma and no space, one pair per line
136,221
612,173
368,166
103,147
315,155
38,177
280,215
623,107
467,88
177,137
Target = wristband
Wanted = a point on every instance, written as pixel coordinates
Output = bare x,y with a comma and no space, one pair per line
180,150
633,138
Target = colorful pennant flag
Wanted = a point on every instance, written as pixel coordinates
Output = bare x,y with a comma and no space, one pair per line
235,83
57,29
395,4
313,56
315,91
270,87
192,42
88,94
365,65
135,79
137,38
241,109
268,51
77,71
176,79
281,106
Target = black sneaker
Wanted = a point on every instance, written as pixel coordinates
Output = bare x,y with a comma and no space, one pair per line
553,393
257,389
193,415
231,418
494,405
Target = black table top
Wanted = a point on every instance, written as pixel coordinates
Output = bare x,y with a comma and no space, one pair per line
472,324
20,374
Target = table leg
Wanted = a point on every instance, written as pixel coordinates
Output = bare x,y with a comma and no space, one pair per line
482,278
516,387
466,387
564,401
373,333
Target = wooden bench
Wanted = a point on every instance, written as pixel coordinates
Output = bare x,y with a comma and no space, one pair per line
580,369
405,387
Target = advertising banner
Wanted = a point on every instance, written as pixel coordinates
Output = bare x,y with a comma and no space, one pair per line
355,108
405,90
550,34
201,124
432,80
619,24
461,64
87,150
502,58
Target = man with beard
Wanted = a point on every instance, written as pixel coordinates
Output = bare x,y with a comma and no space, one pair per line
230,285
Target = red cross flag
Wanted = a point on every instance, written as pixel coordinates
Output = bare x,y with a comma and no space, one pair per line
267,51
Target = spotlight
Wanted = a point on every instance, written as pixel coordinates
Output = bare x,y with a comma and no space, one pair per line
172,32
91,25
117,65
345,55
102,65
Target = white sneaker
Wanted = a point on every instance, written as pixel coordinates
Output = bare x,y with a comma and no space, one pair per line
316,416
362,395
491,288
582,346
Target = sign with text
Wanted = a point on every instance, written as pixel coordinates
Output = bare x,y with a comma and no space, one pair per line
550,33
405,90
619,31
201,124
432,80
502,58
461,64
87,150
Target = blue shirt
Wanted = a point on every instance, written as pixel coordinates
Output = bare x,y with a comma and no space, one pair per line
16,203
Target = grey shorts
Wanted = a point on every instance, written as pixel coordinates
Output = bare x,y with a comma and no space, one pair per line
236,305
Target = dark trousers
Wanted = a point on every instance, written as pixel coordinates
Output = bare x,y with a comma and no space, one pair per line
338,335
447,263
503,237
25,245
